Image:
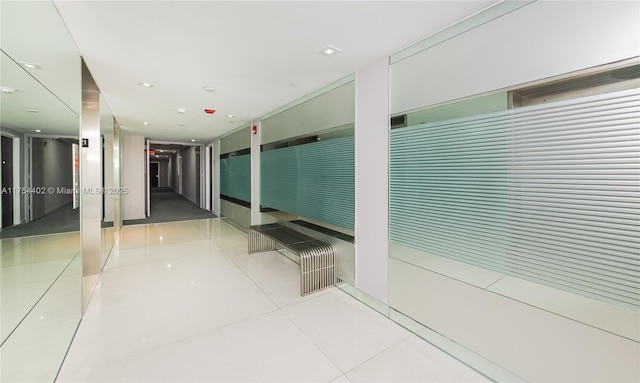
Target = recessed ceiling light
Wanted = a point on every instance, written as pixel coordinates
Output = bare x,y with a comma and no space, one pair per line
208,89
181,110
181,124
293,84
33,111
145,84
7,90
230,116
193,140
146,123
38,131
329,50
31,66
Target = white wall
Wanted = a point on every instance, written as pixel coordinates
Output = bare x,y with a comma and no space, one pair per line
216,177
540,40
330,109
133,157
108,176
238,140
163,170
255,174
189,174
174,173
372,178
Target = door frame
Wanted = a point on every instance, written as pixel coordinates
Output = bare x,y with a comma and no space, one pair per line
16,158
151,173
29,170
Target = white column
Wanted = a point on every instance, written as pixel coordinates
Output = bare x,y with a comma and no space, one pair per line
207,177
372,179
255,173
117,177
216,177
90,184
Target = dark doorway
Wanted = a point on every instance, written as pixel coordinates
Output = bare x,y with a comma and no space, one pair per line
154,174
7,181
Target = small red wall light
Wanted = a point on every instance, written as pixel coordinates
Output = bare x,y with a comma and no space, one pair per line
254,129
209,111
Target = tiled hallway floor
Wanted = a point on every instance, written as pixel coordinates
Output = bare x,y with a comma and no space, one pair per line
184,302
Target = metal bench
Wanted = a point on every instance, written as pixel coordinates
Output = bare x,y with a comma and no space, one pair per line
317,258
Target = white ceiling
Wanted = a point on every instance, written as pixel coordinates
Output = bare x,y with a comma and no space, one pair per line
249,51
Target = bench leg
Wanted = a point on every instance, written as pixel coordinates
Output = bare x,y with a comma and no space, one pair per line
317,267
259,242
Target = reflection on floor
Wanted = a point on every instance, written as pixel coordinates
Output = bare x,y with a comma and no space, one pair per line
62,220
185,302
169,206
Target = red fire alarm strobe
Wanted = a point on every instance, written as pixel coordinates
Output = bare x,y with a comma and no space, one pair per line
209,111
254,129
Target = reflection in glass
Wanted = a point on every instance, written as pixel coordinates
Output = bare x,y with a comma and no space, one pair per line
39,117
40,271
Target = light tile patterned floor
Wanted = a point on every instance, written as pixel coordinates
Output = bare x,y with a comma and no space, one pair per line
184,302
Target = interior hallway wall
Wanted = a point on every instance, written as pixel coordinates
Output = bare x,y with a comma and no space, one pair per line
133,159
164,173
108,176
189,176
215,164
173,173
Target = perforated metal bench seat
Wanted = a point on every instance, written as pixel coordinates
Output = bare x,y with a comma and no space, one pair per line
317,258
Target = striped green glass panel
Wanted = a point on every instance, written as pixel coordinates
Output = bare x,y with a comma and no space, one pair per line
548,193
235,177
313,180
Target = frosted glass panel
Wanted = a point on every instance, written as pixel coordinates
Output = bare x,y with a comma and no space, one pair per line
235,177
549,193
312,180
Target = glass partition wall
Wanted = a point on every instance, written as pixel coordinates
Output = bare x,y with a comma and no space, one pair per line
519,201
40,255
314,180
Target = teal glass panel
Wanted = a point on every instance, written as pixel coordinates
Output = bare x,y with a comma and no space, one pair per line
235,177
313,180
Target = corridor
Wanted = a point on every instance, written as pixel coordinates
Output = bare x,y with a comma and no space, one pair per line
184,301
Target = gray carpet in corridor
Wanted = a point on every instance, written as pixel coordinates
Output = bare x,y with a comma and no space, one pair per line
166,206
61,220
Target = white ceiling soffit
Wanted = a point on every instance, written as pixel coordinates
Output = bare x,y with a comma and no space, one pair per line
258,55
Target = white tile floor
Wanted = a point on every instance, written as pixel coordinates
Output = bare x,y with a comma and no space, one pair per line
185,302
